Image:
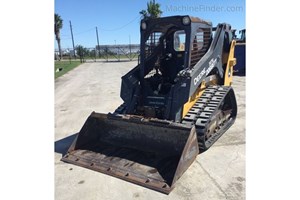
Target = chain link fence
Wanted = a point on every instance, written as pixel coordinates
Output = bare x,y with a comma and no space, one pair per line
101,53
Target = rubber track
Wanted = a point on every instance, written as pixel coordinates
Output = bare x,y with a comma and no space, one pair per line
202,112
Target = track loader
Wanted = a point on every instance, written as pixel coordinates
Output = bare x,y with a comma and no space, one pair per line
178,101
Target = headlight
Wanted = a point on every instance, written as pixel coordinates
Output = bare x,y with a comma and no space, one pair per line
186,20
144,25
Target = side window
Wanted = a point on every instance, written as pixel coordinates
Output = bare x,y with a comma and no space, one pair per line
200,45
179,40
198,40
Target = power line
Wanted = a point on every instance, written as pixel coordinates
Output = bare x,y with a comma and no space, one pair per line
84,31
66,37
115,29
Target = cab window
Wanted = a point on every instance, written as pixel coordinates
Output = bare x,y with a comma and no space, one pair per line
179,40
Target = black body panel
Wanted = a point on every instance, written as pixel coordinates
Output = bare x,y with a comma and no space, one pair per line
166,77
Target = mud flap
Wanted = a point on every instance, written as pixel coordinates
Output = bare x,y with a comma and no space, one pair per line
151,153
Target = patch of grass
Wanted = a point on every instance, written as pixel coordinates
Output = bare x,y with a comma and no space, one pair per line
64,67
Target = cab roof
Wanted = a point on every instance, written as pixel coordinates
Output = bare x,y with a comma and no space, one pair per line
177,17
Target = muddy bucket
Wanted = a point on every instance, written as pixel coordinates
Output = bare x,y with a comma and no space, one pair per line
151,153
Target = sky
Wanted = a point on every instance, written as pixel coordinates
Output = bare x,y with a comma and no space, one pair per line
118,20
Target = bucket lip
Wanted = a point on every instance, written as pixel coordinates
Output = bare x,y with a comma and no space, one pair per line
141,120
117,172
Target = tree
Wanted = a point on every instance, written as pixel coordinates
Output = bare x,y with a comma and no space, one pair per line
58,24
81,51
153,10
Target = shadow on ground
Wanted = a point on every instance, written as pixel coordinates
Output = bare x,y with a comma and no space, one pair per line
61,146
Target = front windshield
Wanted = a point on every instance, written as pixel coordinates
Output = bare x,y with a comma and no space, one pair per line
168,39
152,42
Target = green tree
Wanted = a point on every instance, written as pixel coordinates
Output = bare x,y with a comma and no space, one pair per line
58,24
81,52
153,10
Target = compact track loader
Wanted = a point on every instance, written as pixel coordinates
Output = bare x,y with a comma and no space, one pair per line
177,102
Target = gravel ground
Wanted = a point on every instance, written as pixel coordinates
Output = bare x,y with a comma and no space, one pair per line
219,173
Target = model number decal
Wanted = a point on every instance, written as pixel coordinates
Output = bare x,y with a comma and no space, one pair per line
212,63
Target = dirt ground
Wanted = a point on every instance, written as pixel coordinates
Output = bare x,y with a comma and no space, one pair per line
219,173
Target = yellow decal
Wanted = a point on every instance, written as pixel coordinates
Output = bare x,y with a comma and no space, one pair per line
192,100
229,67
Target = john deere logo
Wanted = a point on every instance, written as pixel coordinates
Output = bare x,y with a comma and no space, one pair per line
212,63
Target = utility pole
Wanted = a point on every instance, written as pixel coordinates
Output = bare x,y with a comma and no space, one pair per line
72,39
117,50
98,47
130,47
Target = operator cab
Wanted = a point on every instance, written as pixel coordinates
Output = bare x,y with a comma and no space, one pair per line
163,45
168,46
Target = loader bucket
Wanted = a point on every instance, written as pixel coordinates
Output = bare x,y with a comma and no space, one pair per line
151,153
